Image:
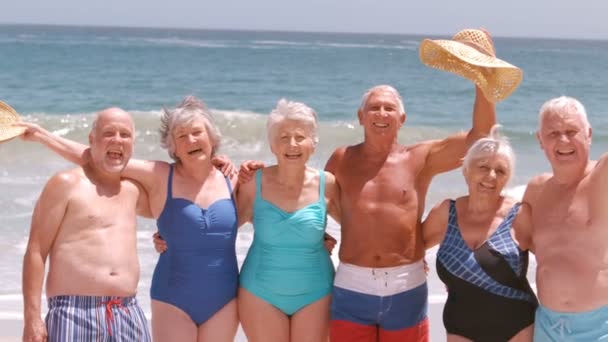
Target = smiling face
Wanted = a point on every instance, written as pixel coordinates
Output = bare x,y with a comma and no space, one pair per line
292,141
565,137
111,140
488,174
192,142
382,114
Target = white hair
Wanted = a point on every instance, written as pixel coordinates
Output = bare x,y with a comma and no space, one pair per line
291,110
493,144
188,110
382,88
563,105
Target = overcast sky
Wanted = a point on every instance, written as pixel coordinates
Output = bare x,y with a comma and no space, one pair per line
520,18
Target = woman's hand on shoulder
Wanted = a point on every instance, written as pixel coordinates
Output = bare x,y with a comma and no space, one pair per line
247,170
225,165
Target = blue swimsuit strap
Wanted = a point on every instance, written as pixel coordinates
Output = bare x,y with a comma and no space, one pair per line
170,183
229,184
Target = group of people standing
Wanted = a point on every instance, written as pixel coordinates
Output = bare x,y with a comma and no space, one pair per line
85,222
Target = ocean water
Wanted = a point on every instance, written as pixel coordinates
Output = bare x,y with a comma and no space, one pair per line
59,76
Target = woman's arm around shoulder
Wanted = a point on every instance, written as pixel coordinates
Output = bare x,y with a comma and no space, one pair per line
435,225
245,196
332,196
522,228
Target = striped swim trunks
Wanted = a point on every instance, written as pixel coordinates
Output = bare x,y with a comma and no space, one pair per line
379,304
96,318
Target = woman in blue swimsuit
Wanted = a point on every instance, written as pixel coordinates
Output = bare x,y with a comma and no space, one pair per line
483,251
287,276
195,281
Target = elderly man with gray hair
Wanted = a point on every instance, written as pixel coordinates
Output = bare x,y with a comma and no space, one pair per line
84,221
569,232
380,291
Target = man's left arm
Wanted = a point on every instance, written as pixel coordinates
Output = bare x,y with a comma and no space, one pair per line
599,191
445,155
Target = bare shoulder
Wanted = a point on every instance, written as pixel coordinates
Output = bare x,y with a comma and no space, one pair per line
66,180
339,153
441,208
435,224
602,165
331,185
539,180
423,146
438,213
534,187
330,179
339,157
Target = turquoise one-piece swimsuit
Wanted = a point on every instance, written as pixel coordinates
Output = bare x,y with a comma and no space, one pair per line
287,264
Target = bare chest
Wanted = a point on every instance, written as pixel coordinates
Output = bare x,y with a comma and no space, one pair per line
367,188
562,210
90,211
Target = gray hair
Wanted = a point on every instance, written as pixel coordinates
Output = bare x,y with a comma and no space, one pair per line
382,88
565,105
493,144
291,110
188,110
98,115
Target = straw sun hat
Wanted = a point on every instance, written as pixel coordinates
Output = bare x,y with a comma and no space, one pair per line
470,54
9,116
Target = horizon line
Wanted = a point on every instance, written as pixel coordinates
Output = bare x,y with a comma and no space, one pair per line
283,31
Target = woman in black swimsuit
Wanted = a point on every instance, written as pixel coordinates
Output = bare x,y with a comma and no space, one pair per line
483,252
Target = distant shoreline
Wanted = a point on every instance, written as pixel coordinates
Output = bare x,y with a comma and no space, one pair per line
270,31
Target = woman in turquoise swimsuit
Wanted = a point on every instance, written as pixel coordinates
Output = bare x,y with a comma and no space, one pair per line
287,276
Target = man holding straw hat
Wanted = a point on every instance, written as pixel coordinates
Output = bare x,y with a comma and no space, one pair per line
380,291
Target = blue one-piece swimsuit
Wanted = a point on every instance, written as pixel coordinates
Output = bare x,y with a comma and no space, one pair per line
198,273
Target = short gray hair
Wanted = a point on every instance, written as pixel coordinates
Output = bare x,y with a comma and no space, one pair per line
291,110
382,88
189,109
493,144
565,105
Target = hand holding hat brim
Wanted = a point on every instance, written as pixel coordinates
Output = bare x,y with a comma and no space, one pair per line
9,117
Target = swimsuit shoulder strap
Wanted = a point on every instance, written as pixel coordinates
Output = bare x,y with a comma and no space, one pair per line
258,184
322,186
170,182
